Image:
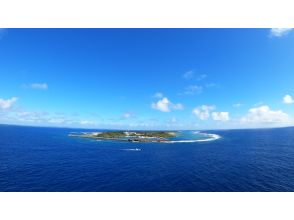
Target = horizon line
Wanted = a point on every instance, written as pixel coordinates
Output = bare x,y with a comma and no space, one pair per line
219,129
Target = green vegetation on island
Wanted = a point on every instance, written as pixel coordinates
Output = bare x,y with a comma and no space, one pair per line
131,136
120,134
113,134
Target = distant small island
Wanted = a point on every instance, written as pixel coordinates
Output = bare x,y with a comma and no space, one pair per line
129,136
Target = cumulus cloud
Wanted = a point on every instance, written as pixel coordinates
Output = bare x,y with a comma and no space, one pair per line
164,105
264,115
288,99
7,103
220,116
203,112
279,32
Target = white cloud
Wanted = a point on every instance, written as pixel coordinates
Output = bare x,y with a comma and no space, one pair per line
192,90
40,86
288,99
189,74
279,32
203,112
7,103
263,115
158,95
164,105
220,116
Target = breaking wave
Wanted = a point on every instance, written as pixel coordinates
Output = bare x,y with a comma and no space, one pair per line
209,137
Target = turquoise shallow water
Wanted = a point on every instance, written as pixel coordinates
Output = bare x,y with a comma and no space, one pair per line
46,159
194,137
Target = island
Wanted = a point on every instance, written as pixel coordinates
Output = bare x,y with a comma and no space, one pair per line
129,136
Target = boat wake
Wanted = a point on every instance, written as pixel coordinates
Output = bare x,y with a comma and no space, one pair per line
132,149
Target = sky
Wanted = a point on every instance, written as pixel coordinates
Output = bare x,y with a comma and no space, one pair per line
147,78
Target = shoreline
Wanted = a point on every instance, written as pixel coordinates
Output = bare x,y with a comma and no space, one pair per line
207,137
130,139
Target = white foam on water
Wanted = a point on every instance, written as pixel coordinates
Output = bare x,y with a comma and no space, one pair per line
132,149
210,137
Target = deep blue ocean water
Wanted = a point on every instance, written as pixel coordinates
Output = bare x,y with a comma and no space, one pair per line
46,159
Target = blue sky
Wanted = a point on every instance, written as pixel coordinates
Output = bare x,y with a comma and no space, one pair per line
147,78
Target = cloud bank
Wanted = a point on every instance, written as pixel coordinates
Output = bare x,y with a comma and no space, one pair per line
264,115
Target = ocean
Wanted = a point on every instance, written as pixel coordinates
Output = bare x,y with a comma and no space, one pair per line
46,159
